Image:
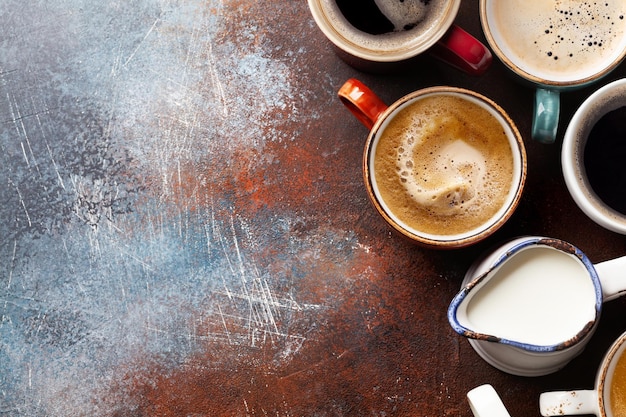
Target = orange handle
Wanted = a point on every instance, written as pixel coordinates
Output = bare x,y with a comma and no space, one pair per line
362,102
461,50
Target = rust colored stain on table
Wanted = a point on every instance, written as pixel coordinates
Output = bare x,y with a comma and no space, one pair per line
185,230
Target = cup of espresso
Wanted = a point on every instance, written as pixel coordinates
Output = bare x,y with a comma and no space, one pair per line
444,166
607,399
380,35
593,155
555,46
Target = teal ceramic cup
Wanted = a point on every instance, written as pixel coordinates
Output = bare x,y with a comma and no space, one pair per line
555,46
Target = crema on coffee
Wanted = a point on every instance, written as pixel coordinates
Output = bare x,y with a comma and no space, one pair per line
560,40
618,388
443,165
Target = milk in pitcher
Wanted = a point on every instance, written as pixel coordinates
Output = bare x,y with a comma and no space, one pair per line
539,296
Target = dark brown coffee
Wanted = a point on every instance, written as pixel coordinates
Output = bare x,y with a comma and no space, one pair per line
377,17
365,16
605,159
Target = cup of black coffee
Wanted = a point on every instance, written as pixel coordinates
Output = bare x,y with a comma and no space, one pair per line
378,35
593,155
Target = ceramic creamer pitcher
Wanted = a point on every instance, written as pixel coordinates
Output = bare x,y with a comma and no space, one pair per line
530,306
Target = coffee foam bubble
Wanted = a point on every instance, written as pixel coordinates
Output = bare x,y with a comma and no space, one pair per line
444,165
560,40
452,177
404,14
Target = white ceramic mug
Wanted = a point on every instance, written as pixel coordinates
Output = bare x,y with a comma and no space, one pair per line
531,305
600,401
435,33
577,138
484,401
555,46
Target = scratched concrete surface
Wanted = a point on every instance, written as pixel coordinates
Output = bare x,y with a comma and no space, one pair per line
184,230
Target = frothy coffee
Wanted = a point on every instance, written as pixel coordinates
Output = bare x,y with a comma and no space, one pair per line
444,165
559,40
618,387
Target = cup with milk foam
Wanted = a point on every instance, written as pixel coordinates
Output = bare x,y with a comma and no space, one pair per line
445,167
555,46
531,305
382,35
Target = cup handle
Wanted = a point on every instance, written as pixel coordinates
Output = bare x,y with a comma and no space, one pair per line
362,102
546,115
568,403
611,275
485,402
463,51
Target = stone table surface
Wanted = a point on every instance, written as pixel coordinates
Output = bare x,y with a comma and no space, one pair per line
184,229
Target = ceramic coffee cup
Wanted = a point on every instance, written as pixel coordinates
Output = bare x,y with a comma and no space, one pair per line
484,401
532,304
378,35
593,155
555,46
607,399
444,166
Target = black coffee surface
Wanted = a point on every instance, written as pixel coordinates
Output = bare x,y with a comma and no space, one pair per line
605,159
365,16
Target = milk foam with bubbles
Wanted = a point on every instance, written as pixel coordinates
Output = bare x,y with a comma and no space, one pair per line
454,177
444,165
564,40
539,296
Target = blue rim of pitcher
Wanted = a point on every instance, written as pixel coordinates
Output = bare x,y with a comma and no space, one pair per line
531,241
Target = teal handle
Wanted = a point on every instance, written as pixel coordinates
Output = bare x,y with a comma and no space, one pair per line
546,115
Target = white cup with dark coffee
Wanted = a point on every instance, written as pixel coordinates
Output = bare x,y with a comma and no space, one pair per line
381,35
555,46
593,155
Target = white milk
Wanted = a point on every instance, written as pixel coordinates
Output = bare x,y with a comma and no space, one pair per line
540,296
